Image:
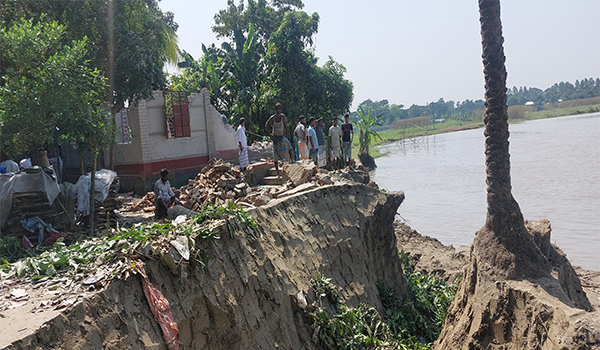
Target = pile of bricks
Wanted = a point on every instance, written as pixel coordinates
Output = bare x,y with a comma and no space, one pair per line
146,203
218,183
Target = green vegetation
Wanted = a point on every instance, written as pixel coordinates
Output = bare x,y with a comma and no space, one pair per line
365,125
47,86
411,322
411,129
559,112
557,96
268,56
59,58
129,40
112,249
410,133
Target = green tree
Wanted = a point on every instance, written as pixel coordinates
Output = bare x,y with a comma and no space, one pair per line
143,38
89,126
128,40
49,87
267,59
330,94
204,73
43,81
243,68
265,18
365,124
290,62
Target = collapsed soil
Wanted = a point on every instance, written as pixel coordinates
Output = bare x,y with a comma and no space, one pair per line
246,297
511,314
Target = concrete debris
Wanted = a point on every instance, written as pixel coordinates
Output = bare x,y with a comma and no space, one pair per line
301,172
260,149
19,295
220,183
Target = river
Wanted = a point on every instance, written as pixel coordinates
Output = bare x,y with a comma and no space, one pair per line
555,171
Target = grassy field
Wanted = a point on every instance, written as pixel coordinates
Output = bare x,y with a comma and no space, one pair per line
516,114
395,135
560,112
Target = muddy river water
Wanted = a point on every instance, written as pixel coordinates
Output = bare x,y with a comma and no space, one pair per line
555,170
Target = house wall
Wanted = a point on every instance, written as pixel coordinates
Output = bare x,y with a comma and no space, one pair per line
138,163
224,135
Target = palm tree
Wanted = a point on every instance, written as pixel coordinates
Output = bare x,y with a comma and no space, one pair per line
365,126
503,243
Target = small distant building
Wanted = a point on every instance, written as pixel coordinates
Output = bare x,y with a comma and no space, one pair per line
529,103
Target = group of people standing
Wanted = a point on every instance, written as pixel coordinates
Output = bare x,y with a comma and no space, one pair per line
309,138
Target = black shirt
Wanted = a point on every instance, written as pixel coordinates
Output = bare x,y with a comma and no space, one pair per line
346,130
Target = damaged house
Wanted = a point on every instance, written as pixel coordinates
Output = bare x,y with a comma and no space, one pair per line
173,130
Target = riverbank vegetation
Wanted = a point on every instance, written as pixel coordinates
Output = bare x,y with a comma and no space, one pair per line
411,130
560,95
413,321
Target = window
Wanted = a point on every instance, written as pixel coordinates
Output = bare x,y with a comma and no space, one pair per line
177,114
123,129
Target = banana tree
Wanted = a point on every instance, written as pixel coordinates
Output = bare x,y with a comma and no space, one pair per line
365,125
241,69
203,73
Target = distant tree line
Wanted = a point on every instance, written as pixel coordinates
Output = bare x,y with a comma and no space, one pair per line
462,111
562,91
469,110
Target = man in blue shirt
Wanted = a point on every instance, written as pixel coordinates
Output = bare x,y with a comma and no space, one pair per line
321,139
313,141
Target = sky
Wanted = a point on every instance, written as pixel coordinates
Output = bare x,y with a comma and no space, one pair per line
418,51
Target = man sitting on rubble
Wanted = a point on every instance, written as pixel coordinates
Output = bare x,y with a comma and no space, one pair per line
164,197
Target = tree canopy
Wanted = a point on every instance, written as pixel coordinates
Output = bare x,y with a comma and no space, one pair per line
47,85
268,57
129,41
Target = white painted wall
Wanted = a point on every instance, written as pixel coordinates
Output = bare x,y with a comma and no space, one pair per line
149,132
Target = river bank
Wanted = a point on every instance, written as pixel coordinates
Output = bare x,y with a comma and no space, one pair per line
390,136
525,314
255,289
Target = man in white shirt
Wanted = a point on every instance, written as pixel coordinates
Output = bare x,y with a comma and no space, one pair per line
164,197
335,135
300,133
243,145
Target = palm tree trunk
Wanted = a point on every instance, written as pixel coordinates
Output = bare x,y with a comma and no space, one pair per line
503,243
499,198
